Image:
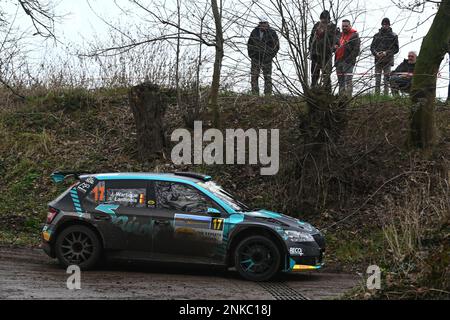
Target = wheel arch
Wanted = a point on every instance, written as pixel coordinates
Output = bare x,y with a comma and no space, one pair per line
253,230
74,222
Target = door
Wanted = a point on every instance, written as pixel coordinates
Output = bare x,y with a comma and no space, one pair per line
122,212
183,229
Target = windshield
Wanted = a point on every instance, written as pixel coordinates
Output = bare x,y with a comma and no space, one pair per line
225,196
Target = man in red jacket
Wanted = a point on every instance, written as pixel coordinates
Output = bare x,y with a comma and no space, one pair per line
346,54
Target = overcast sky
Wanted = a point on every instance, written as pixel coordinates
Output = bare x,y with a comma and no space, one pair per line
80,22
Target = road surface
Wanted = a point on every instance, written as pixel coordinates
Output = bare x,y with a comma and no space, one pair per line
27,273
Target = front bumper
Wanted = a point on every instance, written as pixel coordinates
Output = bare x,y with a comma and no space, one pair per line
305,255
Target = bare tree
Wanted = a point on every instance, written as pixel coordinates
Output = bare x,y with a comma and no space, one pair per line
215,85
42,17
167,26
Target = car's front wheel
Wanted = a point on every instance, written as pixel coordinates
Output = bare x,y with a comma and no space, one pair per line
257,258
78,245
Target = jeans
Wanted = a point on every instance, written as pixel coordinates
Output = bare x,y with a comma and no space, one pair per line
399,83
386,70
345,77
323,65
267,72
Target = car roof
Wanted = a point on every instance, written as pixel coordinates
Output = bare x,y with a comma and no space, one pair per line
178,176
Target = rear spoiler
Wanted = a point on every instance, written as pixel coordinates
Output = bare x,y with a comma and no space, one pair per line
60,176
199,176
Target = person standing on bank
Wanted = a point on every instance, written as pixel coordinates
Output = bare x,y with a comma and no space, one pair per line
324,37
262,46
347,51
384,47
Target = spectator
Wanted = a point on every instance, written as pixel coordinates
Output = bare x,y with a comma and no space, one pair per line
347,51
324,37
263,46
402,75
384,47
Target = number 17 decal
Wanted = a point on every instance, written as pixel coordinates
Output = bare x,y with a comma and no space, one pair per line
217,224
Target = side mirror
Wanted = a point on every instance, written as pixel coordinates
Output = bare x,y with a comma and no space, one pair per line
213,212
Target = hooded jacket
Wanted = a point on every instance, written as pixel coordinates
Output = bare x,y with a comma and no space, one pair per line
322,40
349,47
263,49
385,40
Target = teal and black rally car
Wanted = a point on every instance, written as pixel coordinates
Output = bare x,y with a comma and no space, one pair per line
174,217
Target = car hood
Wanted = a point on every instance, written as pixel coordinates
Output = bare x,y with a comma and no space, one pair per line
280,219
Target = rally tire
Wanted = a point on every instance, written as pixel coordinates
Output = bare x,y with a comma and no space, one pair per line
78,245
257,258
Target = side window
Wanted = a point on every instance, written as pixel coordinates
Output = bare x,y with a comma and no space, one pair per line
128,197
181,197
127,193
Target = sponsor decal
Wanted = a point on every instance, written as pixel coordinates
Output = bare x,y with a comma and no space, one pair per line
46,235
129,197
296,252
204,227
133,226
107,208
86,186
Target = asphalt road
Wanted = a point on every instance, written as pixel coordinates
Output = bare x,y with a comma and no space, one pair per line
27,273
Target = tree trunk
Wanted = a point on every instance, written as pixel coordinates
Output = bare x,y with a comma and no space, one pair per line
214,95
148,104
423,91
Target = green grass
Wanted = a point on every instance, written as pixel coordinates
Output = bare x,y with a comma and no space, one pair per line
24,238
364,247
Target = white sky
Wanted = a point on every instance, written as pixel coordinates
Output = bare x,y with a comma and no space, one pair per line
80,23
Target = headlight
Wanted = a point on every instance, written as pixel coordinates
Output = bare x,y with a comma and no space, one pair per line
307,227
297,236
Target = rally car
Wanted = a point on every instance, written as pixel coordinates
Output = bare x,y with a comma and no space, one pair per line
173,217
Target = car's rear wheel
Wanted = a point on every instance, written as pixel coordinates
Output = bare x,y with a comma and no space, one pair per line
257,258
78,245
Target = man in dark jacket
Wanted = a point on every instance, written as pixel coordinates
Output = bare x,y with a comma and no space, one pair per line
384,47
402,75
324,37
263,46
347,51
